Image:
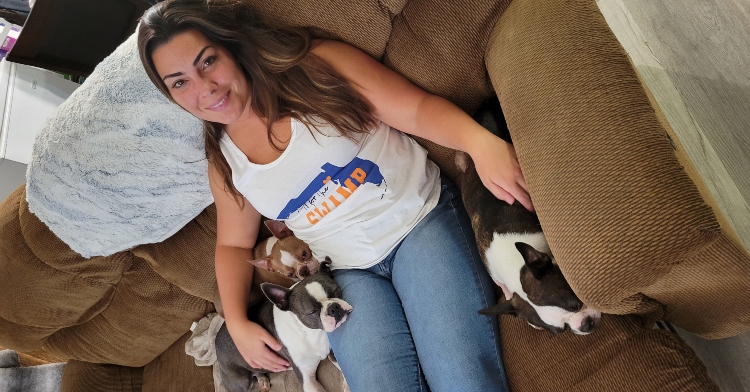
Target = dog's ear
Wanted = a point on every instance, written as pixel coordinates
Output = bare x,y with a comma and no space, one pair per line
278,229
539,263
463,161
264,263
279,295
325,266
502,307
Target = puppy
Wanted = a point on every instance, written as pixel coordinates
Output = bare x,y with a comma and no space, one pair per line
284,253
300,318
515,251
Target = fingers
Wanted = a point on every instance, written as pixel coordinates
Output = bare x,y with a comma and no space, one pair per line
500,193
276,362
258,347
520,193
512,192
522,182
269,340
269,360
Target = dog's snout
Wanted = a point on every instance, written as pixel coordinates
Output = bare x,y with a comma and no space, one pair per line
336,311
588,324
304,272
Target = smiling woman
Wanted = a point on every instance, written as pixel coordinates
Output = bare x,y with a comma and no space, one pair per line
286,81
204,78
275,104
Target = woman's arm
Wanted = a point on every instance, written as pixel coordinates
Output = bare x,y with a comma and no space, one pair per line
406,107
237,230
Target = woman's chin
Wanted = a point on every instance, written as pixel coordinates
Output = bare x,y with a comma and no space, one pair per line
222,118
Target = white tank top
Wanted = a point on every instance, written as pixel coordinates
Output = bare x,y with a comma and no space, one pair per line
352,203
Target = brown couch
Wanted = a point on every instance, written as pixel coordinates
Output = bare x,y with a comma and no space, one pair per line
631,227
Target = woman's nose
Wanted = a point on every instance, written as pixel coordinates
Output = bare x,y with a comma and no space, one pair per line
208,86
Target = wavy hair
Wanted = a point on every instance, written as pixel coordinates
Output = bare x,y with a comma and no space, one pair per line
286,79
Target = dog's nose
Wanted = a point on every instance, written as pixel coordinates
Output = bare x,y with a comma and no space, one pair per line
588,324
304,272
336,311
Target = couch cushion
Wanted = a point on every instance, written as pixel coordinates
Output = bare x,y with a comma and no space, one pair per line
43,297
619,211
96,377
187,258
362,23
174,370
144,317
440,47
620,355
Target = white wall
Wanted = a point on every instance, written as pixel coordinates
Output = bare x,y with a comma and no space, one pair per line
30,95
12,175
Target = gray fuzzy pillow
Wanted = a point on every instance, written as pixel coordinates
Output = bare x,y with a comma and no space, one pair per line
118,165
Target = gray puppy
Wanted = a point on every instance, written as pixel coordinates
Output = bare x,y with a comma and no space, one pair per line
299,318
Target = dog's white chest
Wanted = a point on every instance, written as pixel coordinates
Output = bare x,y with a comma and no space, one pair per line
306,347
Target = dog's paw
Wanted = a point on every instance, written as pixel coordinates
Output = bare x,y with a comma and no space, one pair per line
264,383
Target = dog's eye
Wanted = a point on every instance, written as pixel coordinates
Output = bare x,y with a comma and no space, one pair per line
304,254
313,312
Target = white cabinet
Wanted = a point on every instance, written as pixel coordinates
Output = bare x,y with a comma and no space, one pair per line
29,96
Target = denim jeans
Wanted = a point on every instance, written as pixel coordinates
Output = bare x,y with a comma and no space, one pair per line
415,321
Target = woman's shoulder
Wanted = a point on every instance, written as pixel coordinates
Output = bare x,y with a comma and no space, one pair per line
334,51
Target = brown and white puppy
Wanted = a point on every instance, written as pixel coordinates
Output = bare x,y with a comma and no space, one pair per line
515,251
284,253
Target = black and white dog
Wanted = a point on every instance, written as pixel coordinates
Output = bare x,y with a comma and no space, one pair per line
300,318
515,251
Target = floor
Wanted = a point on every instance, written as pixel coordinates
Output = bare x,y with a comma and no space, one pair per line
694,56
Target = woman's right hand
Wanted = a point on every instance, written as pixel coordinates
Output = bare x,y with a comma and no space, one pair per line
256,346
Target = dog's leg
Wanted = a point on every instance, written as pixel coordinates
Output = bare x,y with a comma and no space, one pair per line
310,380
264,383
344,384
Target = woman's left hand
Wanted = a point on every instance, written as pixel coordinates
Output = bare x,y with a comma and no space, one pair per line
498,168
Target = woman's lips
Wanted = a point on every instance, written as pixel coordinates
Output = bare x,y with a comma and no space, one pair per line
222,102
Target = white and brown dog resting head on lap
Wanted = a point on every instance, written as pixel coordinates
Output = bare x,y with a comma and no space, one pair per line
514,250
284,253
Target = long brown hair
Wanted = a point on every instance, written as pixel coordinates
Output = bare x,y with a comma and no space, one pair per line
285,78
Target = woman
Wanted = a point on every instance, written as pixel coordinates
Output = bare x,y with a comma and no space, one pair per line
296,130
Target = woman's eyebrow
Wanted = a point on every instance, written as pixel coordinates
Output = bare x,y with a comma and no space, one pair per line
195,62
171,76
200,54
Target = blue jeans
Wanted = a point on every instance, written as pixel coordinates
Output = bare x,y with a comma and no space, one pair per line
415,320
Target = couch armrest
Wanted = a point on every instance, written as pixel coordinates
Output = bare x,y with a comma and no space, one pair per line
100,377
619,211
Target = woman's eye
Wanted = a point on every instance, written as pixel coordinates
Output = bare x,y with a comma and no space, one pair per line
178,84
209,60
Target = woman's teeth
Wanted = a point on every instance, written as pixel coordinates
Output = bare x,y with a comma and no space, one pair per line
220,103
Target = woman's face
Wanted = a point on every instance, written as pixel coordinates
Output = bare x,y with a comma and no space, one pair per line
203,78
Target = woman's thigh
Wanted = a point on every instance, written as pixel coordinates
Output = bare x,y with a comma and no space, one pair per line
374,346
442,283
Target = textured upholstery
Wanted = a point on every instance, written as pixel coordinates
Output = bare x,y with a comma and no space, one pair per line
113,309
81,376
627,225
364,24
437,46
623,355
